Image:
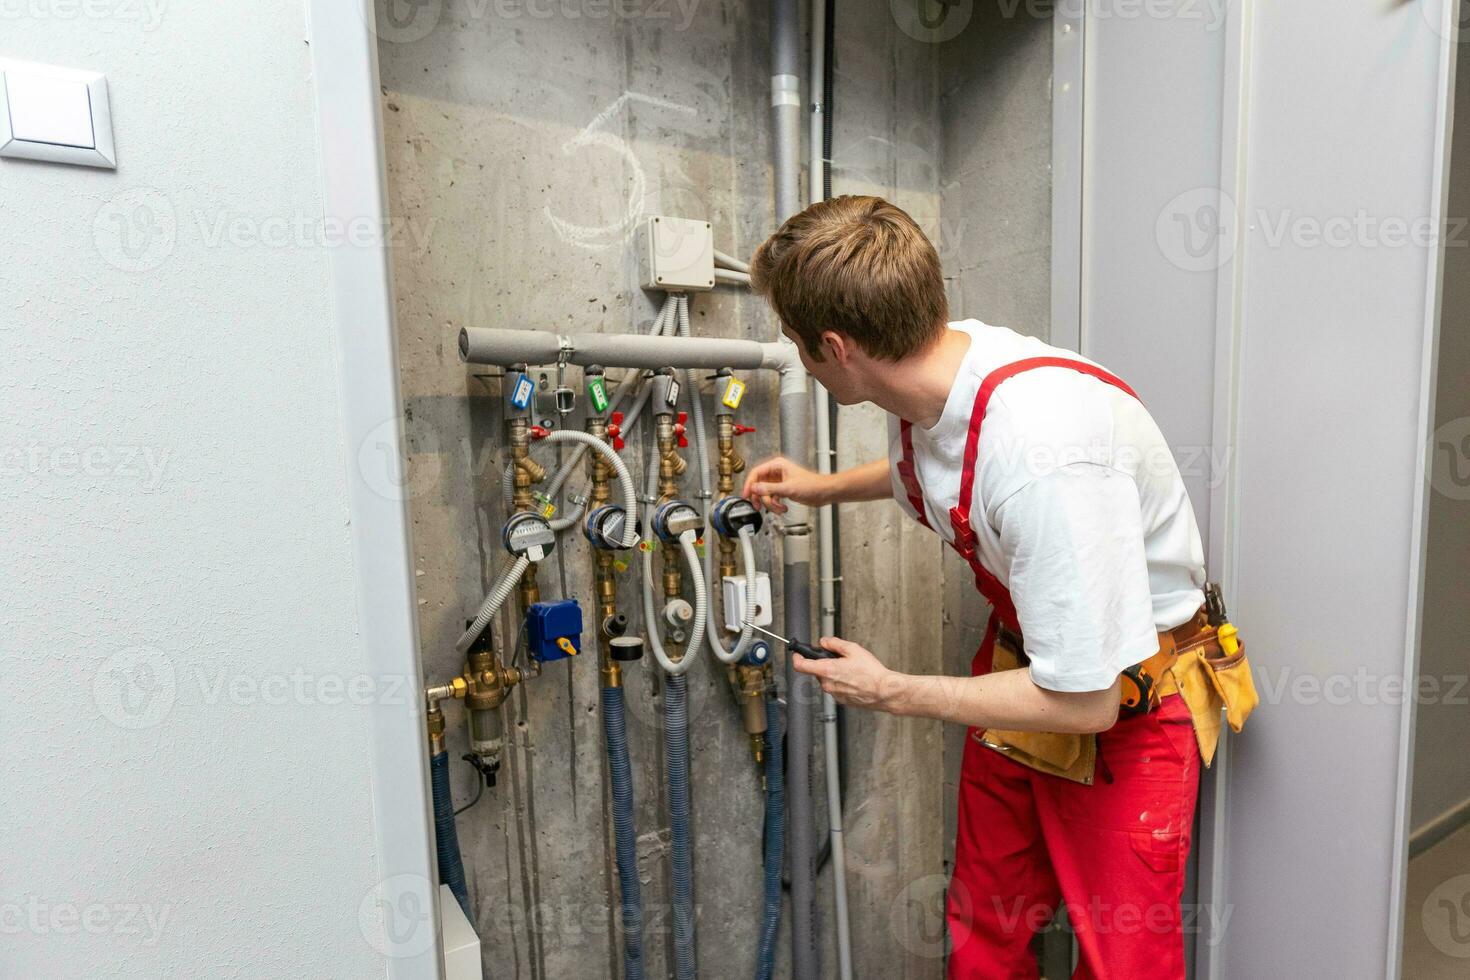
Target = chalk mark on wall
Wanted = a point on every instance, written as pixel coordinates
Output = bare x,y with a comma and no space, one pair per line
595,135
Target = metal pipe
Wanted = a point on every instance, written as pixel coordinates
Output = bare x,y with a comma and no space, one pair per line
796,547
826,545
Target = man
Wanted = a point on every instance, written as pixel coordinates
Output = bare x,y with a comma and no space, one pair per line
1051,479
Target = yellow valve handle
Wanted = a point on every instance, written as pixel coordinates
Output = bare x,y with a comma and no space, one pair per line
566,646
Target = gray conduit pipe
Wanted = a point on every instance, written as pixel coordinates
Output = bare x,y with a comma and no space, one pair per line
731,262
786,109
826,577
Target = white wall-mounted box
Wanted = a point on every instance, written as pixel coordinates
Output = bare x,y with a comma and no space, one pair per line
735,600
59,115
676,254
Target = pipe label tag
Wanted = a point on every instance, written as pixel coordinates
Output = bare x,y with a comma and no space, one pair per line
673,393
520,395
597,393
734,391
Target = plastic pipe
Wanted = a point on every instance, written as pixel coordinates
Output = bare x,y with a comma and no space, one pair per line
493,602
446,838
488,345
733,278
672,667
796,560
615,728
775,840
676,750
731,262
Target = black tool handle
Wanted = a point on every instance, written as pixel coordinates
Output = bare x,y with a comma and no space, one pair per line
807,650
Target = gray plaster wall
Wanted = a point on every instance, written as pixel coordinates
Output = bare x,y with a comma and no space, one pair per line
521,149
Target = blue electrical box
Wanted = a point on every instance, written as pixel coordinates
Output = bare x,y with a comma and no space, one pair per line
554,630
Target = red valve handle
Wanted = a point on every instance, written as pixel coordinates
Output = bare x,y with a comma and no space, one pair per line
537,432
616,431
679,430
741,430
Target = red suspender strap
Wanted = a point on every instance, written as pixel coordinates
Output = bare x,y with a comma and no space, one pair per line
959,516
906,472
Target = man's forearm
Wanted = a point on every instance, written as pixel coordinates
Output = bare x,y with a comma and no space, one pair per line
1007,700
868,481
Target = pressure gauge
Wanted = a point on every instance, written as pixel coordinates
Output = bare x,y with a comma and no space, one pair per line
605,527
528,535
674,518
733,515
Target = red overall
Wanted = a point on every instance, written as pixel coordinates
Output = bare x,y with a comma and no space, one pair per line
1114,851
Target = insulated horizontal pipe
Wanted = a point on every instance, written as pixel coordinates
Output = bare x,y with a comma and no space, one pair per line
487,345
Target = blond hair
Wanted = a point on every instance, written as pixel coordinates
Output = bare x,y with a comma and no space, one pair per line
858,266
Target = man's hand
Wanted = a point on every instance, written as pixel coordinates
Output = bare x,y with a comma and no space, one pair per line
778,480
854,676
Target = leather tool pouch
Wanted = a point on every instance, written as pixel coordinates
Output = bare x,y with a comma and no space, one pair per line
1070,756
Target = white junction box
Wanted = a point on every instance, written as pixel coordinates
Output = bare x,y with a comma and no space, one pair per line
735,600
677,254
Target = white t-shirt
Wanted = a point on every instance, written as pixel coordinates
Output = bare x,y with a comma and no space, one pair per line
1078,509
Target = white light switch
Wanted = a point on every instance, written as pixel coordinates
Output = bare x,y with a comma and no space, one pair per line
49,110
56,114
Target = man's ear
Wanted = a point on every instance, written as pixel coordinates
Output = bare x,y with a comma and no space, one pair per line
836,346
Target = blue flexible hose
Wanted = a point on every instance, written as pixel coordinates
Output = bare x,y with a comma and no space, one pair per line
676,747
775,838
446,840
615,727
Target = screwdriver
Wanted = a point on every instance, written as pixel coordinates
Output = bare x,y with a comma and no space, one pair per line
805,649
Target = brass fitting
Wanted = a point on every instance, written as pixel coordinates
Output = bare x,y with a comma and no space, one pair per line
605,572
436,730
670,466
527,473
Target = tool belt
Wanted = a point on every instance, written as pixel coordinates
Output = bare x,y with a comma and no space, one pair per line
1193,661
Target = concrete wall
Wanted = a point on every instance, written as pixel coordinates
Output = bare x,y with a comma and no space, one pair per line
995,241
187,789
521,150
1441,770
